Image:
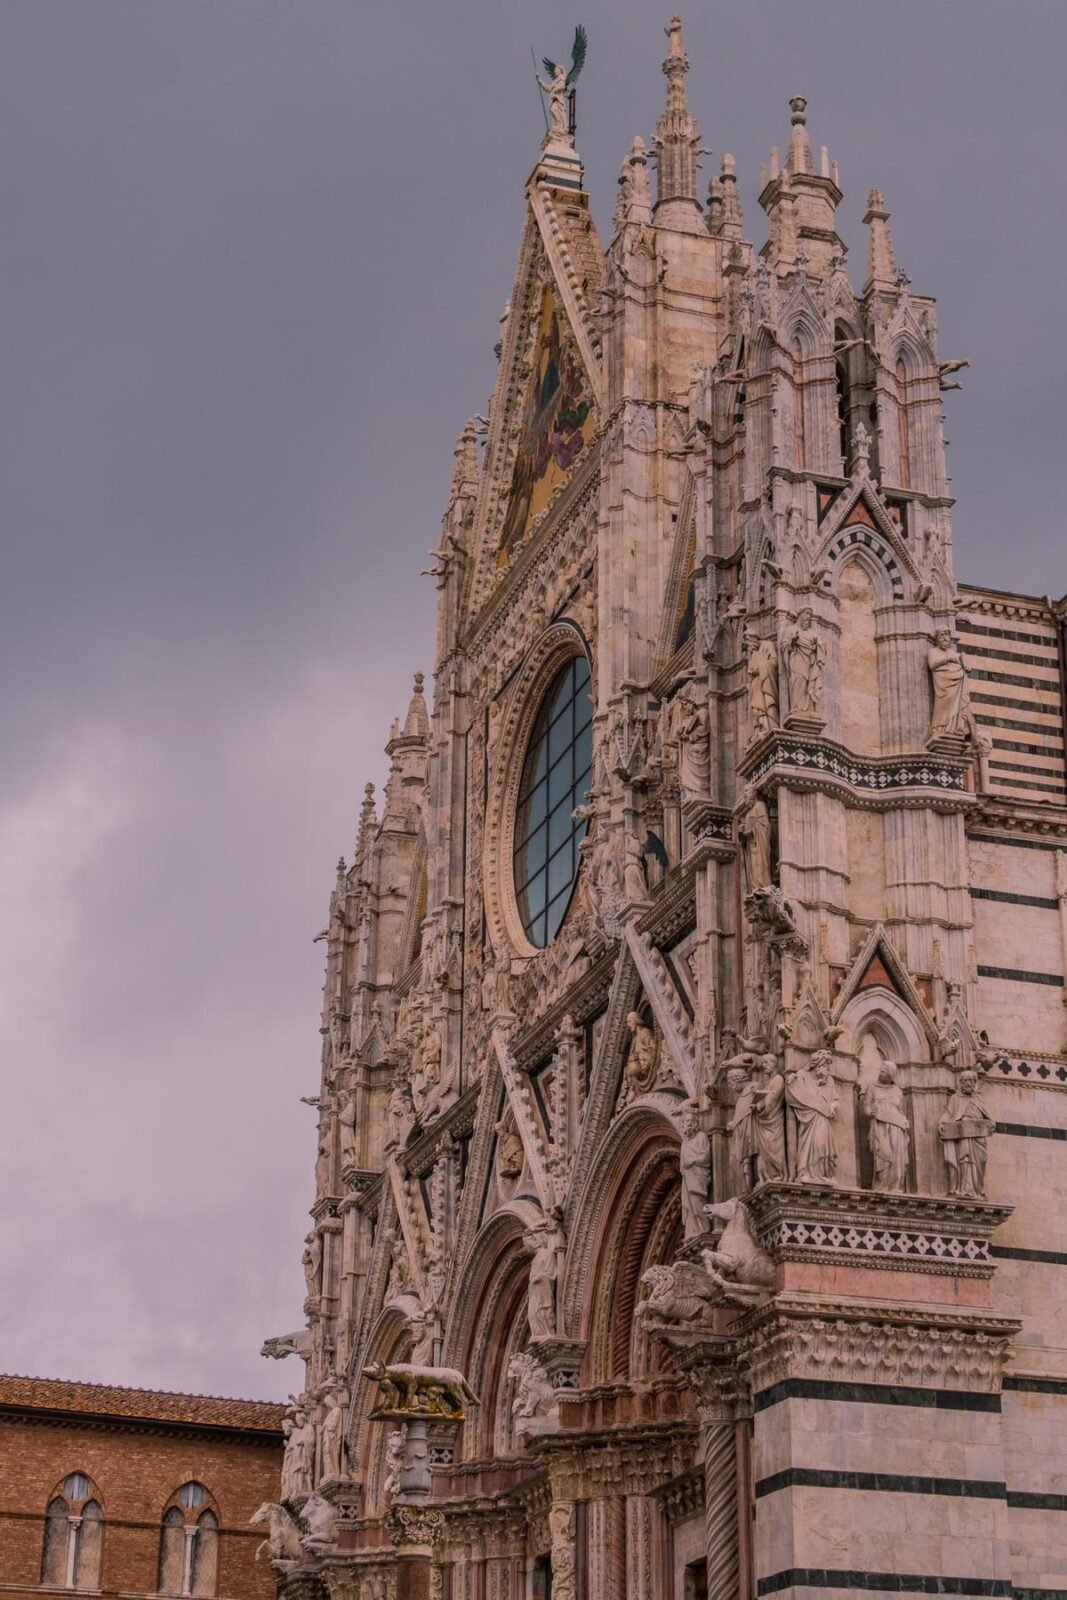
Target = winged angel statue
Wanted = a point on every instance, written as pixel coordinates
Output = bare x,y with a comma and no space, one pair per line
560,83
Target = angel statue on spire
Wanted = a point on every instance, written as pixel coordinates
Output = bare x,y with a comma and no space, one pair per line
559,85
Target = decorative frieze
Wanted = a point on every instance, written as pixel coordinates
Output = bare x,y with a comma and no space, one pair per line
927,1233
874,782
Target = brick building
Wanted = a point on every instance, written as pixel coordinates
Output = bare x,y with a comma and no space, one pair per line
133,1492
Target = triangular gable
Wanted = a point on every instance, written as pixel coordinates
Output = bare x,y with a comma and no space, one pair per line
879,966
549,393
860,503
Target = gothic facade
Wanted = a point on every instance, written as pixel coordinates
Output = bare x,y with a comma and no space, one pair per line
693,1113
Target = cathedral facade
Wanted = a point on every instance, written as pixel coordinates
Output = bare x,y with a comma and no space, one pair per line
693,1112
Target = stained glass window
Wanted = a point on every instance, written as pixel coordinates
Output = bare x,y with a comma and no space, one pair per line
556,776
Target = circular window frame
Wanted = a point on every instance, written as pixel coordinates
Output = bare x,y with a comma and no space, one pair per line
560,644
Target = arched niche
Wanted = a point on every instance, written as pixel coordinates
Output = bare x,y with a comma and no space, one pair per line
629,1219
878,1026
858,677
488,1326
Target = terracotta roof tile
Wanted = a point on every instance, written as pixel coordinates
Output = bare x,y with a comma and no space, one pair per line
155,1405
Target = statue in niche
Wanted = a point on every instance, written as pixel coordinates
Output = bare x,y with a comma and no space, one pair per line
400,1111
742,1126
762,683
694,749
347,1121
394,1461
805,656
812,1099
333,1431
965,1131
642,1060
496,982
399,1281
768,1119
754,833
298,1461
634,881
312,1264
694,1160
510,1155
322,1159
883,1102
426,1080
948,677
544,1244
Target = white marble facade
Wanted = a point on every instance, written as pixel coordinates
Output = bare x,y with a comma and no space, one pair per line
693,1111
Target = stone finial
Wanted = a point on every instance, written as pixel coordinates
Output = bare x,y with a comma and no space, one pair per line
731,199
417,721
367,822
465,471
800,156
677,140
881,267
640,193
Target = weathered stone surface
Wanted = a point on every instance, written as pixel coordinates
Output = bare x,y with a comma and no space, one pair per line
725,1209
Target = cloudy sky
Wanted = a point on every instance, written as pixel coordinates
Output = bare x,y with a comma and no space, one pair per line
253,257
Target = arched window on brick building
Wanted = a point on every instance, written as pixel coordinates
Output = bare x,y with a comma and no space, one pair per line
189,1543
73,1535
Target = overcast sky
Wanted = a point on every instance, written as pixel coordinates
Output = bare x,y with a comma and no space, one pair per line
253,257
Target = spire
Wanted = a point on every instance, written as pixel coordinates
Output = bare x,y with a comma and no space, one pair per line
368,821
677,142
800,156
881,268
731,199
634,203
801,202
417,721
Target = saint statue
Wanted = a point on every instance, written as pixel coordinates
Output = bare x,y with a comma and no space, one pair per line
312,1263
889,1133
634,882
347,1120
754,833
762,683
742,1126
812,1100
544,1244
805,655
399,1281
694,1159
510,1155
694,750
333,1432
949,679
769,1120
965,1131
299,1459
639,1076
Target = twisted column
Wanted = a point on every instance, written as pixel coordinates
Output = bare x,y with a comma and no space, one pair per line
720,1509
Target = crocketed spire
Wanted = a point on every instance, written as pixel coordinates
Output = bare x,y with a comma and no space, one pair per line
677,143
881,268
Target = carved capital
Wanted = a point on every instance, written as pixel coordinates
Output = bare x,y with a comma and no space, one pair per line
414,1526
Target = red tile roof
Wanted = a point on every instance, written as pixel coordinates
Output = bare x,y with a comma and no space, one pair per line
151,1405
